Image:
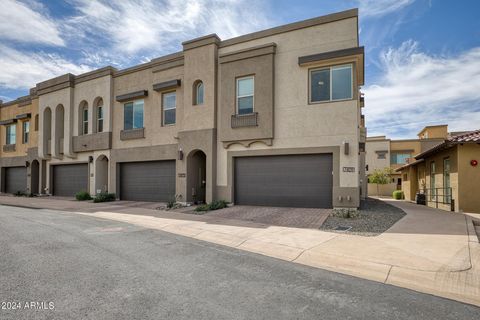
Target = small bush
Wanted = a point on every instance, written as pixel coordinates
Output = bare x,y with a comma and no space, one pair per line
397,195
214,205
20,193
202,208
82,196
104,197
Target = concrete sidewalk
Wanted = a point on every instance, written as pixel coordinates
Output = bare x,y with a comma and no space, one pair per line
429,250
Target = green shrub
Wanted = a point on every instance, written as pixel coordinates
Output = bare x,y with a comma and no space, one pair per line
20,194
214,205
83,195
202,208
398,194
104,197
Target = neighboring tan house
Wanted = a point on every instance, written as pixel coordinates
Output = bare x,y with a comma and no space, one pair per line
19,162
383,153
268,118
448,174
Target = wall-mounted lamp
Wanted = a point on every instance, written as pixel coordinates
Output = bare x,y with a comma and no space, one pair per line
346,147
27,164
90,159
180,154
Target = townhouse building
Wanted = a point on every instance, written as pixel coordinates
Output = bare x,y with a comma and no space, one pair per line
19,161
268,118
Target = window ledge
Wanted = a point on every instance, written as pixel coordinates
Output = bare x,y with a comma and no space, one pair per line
9,147
244,120
132,134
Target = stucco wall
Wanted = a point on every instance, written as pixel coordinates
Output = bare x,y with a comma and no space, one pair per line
10,112
452,154
371,156
90,91
469,177
52,100
155,132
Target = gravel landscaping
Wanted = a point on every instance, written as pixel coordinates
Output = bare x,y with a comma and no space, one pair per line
375,217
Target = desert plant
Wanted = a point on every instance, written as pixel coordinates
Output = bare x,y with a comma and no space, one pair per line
214,205
380,176
397,194
172,203
104,197
82,196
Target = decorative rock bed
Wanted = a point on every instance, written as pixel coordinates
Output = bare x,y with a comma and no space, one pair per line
373,218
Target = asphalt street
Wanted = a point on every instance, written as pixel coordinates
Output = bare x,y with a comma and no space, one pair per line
60,265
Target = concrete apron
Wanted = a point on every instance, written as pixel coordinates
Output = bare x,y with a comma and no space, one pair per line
429,250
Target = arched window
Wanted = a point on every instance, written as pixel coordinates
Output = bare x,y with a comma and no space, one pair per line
199,92
99,115
85,119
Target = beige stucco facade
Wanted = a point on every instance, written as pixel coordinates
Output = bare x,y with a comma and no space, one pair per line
23,151
285,122
382,152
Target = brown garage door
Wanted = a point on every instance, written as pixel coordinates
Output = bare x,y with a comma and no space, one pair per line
284,181
147,181
15,179
68,179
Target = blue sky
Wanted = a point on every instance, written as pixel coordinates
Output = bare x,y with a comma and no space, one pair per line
422,56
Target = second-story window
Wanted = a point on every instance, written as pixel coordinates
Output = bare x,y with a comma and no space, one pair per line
11,134
400,158
133,115
85,120
169,102
100,119
199,93
245,95
331,84
26,131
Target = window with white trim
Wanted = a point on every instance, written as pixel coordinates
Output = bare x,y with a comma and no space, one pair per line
26,131
245,95
133,115
331,83
100,118
85,120
169,103
11,134
199,93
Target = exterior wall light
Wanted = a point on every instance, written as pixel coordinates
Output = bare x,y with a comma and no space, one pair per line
180,154
474,163
346,147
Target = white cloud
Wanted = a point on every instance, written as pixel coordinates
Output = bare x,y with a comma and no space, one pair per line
18,22
22,70
151,25
418,89
378,8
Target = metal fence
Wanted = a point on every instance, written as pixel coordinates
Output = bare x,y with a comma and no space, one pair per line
439,196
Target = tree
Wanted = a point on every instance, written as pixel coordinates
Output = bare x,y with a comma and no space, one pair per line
380,176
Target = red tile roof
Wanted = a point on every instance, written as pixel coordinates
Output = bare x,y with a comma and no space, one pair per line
469,137
472,136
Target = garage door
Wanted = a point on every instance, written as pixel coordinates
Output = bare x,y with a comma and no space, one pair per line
147,181
69,179
284,181
15,179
